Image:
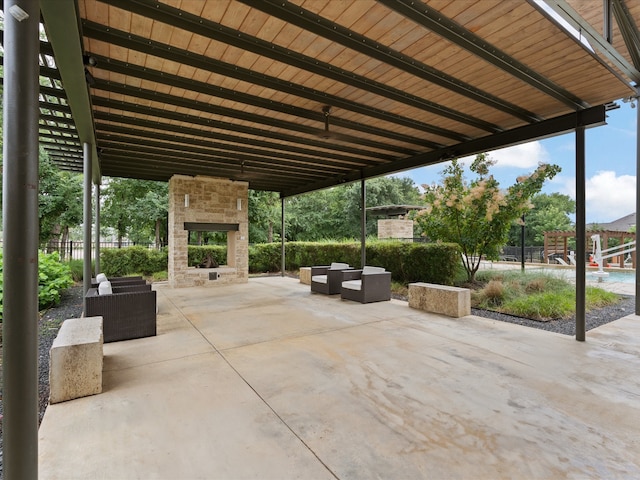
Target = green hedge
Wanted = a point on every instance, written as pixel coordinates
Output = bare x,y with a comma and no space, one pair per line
408,262
117,262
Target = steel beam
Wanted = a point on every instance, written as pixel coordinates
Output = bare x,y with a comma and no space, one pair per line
309,21
363,223
86,271
150,47
637,254
20,240
555,126
97,232
581,232
282,240
64,35
433,20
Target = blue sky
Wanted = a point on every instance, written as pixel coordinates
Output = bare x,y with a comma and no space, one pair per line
610,165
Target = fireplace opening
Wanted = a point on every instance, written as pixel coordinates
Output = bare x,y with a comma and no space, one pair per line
227,230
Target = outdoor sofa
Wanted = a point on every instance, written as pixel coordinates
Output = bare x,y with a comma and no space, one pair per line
126,313
371,284
327,279
117,281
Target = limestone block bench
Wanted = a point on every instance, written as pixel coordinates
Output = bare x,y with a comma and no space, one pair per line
305,275
451,301
75,360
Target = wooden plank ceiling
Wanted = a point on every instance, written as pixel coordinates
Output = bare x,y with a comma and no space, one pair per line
294,96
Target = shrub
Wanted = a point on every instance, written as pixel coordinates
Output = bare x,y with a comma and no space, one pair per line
53,277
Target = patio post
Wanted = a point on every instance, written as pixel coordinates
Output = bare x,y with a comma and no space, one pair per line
97,222
283,259
363,224
580,233
636,266
20,243
86,272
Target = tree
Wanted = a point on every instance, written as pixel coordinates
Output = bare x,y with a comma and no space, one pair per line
550,212
477,215
335,213
135,208
60,201
264,215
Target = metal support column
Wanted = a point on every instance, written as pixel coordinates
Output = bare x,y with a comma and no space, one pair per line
363,224
86,272
637,200
282,237
20,243
97,237
581,233
522,235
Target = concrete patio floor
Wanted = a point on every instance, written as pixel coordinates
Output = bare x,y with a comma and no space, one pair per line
269,381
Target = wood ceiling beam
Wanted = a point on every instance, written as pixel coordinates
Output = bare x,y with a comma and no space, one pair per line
158,49
309,21
433,20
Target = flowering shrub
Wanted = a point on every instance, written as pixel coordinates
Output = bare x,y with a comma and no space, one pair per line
477,215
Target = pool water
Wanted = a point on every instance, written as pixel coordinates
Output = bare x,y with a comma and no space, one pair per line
615,276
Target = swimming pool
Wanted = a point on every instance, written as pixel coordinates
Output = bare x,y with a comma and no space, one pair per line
570,273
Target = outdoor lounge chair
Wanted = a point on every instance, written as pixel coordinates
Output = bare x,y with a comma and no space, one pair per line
125,315
328,279
371,284
117,281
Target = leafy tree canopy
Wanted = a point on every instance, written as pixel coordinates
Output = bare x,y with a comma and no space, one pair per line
478,214
550,212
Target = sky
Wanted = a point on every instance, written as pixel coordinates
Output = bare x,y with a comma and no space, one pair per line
610,165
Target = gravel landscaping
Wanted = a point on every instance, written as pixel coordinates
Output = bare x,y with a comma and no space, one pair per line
71,307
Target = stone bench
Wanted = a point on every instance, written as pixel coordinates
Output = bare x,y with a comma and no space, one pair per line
305,275
451,301
75,360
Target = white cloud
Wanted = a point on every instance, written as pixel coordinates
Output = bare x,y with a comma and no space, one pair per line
609,196
526,155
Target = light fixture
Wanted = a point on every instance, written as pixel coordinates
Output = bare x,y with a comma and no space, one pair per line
18,13
89,60
186,200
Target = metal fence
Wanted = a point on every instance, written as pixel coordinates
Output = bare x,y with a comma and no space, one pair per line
531,254
75,249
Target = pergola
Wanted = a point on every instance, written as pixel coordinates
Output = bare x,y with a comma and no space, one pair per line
289,96
556,242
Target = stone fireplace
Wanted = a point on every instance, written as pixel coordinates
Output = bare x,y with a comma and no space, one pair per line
208,204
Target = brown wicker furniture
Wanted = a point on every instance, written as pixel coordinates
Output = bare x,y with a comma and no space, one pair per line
126,315
327,279
371,284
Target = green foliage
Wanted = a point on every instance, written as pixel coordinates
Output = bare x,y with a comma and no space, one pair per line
538,296
335,213
136,208
117,262
408,262
265,223
197,254
59,198
549,213
477,215
53,277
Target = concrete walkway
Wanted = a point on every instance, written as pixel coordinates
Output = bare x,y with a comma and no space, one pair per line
269,381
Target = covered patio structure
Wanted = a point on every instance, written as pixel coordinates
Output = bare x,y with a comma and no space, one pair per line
287,96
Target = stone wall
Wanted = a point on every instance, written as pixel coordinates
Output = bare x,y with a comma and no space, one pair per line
391,228
210,200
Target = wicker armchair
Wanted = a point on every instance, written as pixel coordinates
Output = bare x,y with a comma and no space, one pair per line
125,315
371,284
119,281
328,279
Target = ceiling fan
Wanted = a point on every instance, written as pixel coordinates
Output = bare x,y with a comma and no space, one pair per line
326,110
